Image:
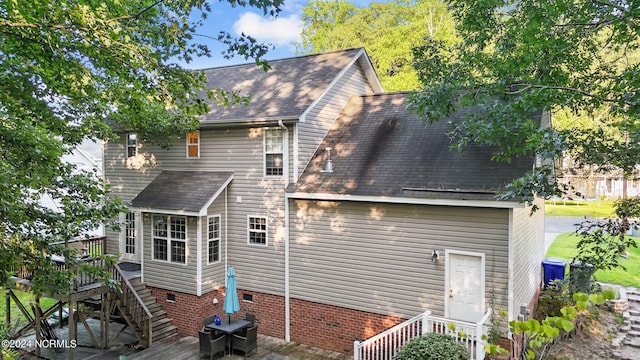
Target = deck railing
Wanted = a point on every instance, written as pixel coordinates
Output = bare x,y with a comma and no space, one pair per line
88,248
137,310
385,345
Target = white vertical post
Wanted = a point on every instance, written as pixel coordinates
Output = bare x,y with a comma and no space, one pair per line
356,350
425,322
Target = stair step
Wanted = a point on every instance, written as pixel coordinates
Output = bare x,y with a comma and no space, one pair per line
154,307
164,333
158,324
143,292
160,315
148,299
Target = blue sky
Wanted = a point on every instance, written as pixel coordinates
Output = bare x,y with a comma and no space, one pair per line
281,31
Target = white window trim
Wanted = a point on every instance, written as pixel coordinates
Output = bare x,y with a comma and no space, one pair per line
265,153
169,239
266,231
218,239
187,145
127,146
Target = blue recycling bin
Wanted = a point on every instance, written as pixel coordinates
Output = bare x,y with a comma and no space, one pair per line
553,269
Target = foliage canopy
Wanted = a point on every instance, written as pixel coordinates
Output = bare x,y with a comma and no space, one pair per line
77,70
388,31
549,55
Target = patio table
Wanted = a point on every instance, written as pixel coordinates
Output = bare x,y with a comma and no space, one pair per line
229,327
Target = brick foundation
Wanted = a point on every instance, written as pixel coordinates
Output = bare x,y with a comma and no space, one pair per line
334,328
324,326
188,311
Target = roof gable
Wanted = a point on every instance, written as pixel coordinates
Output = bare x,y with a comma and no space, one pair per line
283,92
379,148
182,192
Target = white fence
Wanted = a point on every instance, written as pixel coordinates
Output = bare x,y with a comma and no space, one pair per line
385,345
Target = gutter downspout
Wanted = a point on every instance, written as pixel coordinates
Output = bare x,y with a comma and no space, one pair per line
226,242
287,296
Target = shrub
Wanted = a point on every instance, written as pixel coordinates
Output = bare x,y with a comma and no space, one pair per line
433,346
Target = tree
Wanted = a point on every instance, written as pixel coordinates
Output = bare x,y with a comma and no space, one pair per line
518,56
79,69
388,31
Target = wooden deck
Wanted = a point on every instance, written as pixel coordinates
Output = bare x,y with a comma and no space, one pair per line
269,348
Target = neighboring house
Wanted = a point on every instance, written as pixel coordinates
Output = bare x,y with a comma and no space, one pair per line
322,257
87,157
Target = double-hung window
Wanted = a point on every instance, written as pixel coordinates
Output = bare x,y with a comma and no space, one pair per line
273,152
132,144
170,238
213,238
193,144
257,230
130,233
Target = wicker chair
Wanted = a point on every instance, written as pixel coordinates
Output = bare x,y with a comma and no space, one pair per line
210,346
246,343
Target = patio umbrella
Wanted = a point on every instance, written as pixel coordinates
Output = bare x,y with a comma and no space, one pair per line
231,304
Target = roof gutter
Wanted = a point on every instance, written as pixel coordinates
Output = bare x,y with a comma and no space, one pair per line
406,200
248,122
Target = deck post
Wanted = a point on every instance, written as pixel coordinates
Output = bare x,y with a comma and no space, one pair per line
73,329
36,315
356,350
8,308
425,322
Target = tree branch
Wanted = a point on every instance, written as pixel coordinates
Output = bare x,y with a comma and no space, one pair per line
525,87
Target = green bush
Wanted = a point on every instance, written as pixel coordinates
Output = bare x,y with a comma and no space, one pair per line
433,346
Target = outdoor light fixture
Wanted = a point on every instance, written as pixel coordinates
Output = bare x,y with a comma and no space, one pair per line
434,255
328,166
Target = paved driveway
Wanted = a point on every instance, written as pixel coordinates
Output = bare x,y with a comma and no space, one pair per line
556,225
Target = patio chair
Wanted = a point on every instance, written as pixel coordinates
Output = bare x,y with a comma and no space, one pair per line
246,343
208,320
250,317
210,346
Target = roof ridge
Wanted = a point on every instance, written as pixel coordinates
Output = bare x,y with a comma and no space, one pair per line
280,59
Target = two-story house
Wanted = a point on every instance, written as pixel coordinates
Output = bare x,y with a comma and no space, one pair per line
323,254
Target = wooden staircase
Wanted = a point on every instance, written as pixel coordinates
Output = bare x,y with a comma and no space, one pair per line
161,326
140,309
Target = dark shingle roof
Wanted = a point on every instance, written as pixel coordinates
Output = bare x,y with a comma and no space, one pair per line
182,191
284,92
379,148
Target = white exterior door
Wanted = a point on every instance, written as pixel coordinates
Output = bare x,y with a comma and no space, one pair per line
464,286
130,249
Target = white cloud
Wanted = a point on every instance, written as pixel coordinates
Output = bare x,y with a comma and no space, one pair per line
278,31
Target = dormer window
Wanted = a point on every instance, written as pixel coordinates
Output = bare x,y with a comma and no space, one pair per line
273,152
193,144
132,144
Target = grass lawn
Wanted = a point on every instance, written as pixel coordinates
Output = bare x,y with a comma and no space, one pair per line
564,247
25,298
595,208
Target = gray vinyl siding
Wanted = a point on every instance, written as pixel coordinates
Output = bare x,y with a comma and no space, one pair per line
527,255
213,275
168,275
322,116
127,178
239,150
377,257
